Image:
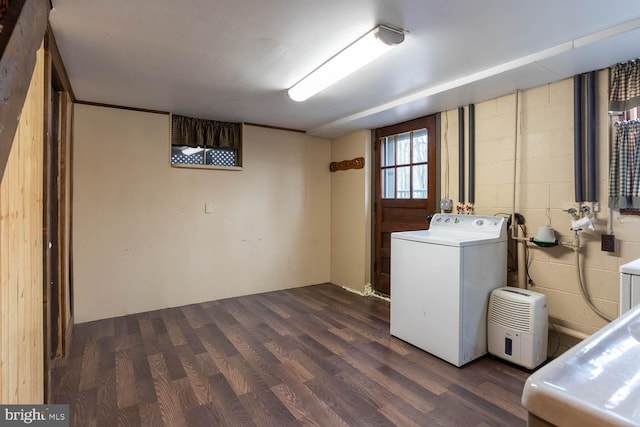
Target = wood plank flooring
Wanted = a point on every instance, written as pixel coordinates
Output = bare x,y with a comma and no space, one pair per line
316,355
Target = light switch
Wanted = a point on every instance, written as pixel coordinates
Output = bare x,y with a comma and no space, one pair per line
208,208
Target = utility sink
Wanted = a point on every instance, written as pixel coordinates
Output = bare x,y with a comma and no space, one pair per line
595,383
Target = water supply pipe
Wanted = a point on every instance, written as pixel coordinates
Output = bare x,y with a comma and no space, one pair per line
519,241
577,138
461,155
472,154
514,229
591,137
610,211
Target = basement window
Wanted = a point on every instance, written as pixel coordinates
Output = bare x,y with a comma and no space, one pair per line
201,143
624,158
185,155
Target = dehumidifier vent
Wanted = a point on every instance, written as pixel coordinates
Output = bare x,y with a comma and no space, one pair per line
512,314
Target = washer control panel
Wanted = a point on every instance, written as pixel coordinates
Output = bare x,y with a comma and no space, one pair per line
492,225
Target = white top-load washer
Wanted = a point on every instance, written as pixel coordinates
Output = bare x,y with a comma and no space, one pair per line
441,280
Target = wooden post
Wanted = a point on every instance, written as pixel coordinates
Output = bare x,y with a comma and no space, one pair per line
25,22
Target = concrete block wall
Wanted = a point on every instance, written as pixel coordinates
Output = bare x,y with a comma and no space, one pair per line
544,189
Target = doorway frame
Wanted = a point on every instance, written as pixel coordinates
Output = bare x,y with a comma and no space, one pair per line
375,184
57,210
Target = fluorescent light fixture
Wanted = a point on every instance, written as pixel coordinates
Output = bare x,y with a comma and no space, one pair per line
364,50
191,150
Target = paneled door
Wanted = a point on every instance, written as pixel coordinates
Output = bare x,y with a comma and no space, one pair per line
405,187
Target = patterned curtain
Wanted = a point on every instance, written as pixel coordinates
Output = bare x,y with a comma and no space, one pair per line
625,86
624,170
194,132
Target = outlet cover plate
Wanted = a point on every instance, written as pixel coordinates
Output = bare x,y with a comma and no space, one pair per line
608,243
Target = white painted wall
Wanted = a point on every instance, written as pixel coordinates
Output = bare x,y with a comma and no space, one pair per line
351,213
142,240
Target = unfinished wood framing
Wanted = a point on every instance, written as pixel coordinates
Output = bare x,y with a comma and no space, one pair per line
57,225
64,220
58,112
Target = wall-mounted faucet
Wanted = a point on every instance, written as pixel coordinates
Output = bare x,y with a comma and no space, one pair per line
573,212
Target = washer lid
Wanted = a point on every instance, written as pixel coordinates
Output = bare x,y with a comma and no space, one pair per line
632,267
446,238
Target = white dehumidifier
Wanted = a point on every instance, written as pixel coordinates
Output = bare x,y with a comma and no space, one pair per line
517,323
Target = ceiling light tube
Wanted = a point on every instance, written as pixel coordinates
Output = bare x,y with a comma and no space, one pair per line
364,50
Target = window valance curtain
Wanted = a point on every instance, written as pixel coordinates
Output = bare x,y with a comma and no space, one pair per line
625,86
624,170
195,132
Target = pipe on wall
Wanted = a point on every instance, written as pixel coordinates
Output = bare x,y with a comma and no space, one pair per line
591,137
472,154
461,154
577,138
520,242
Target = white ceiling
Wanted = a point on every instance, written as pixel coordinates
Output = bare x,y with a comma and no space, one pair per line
233,60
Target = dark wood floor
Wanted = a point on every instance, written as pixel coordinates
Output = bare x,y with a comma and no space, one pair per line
317,355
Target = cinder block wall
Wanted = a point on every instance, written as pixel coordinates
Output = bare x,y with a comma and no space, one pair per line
544,188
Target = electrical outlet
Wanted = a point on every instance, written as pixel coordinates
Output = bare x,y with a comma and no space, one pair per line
608,243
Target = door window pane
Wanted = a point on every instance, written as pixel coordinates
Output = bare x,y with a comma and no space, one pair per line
420,182
420,146
388,151
403,165
404,183
388,183
404,148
